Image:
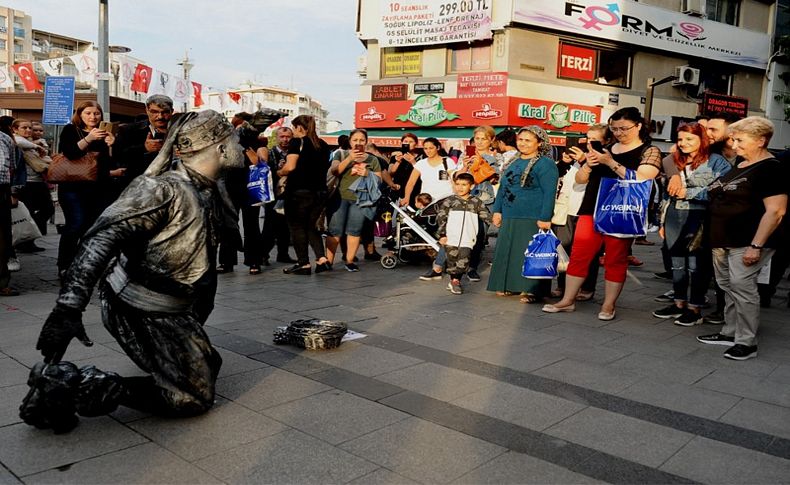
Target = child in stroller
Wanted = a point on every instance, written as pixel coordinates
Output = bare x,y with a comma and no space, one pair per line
415,233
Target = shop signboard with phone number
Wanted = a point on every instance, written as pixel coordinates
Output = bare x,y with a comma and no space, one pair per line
424,22
431,110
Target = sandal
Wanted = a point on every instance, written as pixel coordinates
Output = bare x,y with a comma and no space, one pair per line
504,293
255,270
529,298
557,293
585,296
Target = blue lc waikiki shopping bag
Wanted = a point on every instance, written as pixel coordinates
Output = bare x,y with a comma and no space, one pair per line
259,184
540,258
621,208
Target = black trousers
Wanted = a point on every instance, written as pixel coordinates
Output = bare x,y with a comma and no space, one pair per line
253,241
302,210
36,197
477,251
275,232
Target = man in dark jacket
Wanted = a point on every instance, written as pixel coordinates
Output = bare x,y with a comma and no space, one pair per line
137,144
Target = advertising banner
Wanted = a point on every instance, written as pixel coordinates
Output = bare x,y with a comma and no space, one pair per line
389,92
577,62
429,110
425,22
482,85
647,26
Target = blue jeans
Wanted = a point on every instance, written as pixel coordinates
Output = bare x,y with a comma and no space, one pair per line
688,274
346,219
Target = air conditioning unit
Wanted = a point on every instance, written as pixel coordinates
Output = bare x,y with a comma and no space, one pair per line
686,76
694,8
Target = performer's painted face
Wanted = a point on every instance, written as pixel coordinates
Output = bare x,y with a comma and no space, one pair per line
234,153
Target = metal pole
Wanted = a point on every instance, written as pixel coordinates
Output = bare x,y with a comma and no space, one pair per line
103,82
649,100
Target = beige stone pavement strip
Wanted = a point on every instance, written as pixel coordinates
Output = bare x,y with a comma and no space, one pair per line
270,427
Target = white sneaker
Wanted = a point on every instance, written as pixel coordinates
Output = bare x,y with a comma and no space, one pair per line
13,265
652,228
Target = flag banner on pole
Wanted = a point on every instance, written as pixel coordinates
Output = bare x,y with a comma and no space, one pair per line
235,97
128,68
162,84
87,66
180,90
53,67
5,78
142,78
28,76
197,91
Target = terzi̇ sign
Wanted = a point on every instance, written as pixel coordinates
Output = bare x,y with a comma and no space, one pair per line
644,25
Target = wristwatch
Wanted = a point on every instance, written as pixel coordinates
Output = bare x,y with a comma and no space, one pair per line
752,245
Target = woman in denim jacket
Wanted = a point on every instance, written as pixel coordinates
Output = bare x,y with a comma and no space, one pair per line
684,217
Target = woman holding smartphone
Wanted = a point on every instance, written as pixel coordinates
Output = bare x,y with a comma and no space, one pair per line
631,151
82,202
345,216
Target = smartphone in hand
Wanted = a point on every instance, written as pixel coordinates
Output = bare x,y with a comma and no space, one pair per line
597,146
108,126
471,150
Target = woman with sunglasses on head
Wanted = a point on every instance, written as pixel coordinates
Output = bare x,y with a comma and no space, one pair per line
683,221
631,151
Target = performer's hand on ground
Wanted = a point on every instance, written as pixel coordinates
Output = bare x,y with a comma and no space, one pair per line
62,325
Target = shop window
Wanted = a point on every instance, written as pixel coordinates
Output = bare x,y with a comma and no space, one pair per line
724,11
397,62
609,67
474,56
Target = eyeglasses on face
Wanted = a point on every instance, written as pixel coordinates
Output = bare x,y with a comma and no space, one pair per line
620,129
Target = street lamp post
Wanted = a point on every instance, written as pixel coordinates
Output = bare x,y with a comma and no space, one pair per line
102,78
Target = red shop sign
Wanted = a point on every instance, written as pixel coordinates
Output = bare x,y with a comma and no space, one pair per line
713,103
481,85
577,62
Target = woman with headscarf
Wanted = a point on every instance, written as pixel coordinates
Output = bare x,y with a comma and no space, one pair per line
523,205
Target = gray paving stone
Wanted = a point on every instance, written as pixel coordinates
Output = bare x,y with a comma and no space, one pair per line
335,416
288,457
12,373
363,359
437,381
147,463
746,386
239,344
662,368
520,406
593,336
287,358
514,467
225,426
712,356
581,351
658,347
10,399
7,478
25,450
223,314
622,436
590,376
507,354
781,374
435,454
709,461
626,325
267,387
233,363
680,397
760,416
451,341
382,476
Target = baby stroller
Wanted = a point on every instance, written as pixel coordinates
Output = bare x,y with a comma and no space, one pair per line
414,231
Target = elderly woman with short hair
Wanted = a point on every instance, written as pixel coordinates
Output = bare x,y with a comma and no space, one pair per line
746,207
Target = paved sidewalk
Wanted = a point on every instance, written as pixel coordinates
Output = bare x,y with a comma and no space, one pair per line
461,389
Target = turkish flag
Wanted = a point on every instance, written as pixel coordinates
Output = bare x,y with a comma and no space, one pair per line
234,96
197,90
28,76
142,78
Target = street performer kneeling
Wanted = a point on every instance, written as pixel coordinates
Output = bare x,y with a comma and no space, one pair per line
152,253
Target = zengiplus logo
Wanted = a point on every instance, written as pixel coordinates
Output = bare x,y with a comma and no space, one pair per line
595,17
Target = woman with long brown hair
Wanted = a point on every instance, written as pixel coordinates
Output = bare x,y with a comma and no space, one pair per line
683,221
82,202
305,166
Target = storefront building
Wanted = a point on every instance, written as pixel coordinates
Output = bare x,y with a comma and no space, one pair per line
563,65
